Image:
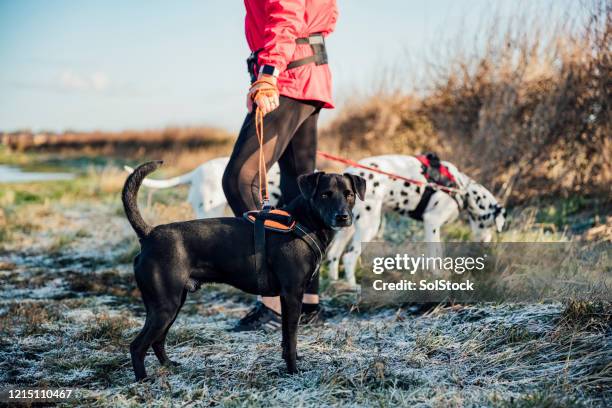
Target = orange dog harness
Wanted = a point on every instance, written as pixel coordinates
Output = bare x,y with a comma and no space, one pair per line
269,218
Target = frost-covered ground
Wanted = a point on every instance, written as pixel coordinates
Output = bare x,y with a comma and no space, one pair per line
69,308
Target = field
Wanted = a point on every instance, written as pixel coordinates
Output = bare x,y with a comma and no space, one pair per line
528,115
69,307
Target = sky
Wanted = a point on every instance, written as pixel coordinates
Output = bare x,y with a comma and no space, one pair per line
114,65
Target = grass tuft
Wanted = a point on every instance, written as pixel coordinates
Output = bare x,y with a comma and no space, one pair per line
587,315
108,329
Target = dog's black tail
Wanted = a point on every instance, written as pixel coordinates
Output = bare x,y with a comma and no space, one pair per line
130,193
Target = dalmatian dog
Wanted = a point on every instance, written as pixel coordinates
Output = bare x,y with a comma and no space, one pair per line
206,194
395,195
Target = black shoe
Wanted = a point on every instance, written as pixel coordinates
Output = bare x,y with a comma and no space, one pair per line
259,317
313,317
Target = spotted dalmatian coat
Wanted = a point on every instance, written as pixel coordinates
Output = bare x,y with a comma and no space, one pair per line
385,195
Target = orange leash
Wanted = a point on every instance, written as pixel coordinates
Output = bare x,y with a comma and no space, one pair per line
268,90
264,199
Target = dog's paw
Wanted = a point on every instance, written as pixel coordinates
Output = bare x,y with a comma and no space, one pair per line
193,285
345,287
292,370
171,363
144,380
297,357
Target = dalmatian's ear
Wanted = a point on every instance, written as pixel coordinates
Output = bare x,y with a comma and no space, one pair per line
358,183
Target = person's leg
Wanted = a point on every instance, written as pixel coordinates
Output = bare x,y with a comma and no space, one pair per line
299,157
241,177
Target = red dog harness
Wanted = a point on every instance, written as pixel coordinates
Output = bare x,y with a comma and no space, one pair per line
436,173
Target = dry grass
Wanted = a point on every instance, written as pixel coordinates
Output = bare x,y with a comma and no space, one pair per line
527,113
108,142
386,124
108,329
587,315
180,148
27,319
535,102
508,355
537,109
66,319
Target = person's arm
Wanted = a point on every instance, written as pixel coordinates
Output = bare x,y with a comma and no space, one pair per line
284,23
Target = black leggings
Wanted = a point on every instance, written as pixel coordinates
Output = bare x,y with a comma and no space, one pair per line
290,138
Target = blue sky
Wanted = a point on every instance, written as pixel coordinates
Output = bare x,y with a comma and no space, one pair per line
113,65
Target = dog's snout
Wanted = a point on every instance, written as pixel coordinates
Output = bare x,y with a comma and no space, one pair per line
343,217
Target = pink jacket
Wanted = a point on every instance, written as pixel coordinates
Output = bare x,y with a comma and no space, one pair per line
274,25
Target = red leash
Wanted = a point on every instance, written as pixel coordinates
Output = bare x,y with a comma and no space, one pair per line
390,175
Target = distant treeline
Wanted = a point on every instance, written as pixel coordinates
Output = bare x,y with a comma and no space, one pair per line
169,138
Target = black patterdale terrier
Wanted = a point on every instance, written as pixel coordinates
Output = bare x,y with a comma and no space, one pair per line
173,257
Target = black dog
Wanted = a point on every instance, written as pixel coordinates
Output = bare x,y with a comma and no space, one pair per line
173,256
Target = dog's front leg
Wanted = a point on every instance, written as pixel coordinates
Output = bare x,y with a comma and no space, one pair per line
442,208
291,306
341,239
366,228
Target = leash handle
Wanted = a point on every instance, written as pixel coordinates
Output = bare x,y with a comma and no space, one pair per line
264,199
390,175
266,88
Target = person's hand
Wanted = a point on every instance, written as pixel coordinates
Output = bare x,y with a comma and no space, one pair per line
264,94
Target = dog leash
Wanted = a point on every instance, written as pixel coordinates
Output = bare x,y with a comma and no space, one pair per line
259,228
273,219
392,176
264,199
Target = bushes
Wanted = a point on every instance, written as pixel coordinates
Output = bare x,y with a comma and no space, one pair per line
535,104
527,113
386,124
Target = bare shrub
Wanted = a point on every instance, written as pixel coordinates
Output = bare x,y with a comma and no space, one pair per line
529,112
388,123
526,112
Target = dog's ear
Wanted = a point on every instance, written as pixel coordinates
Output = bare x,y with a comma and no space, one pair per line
308,184
359,185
